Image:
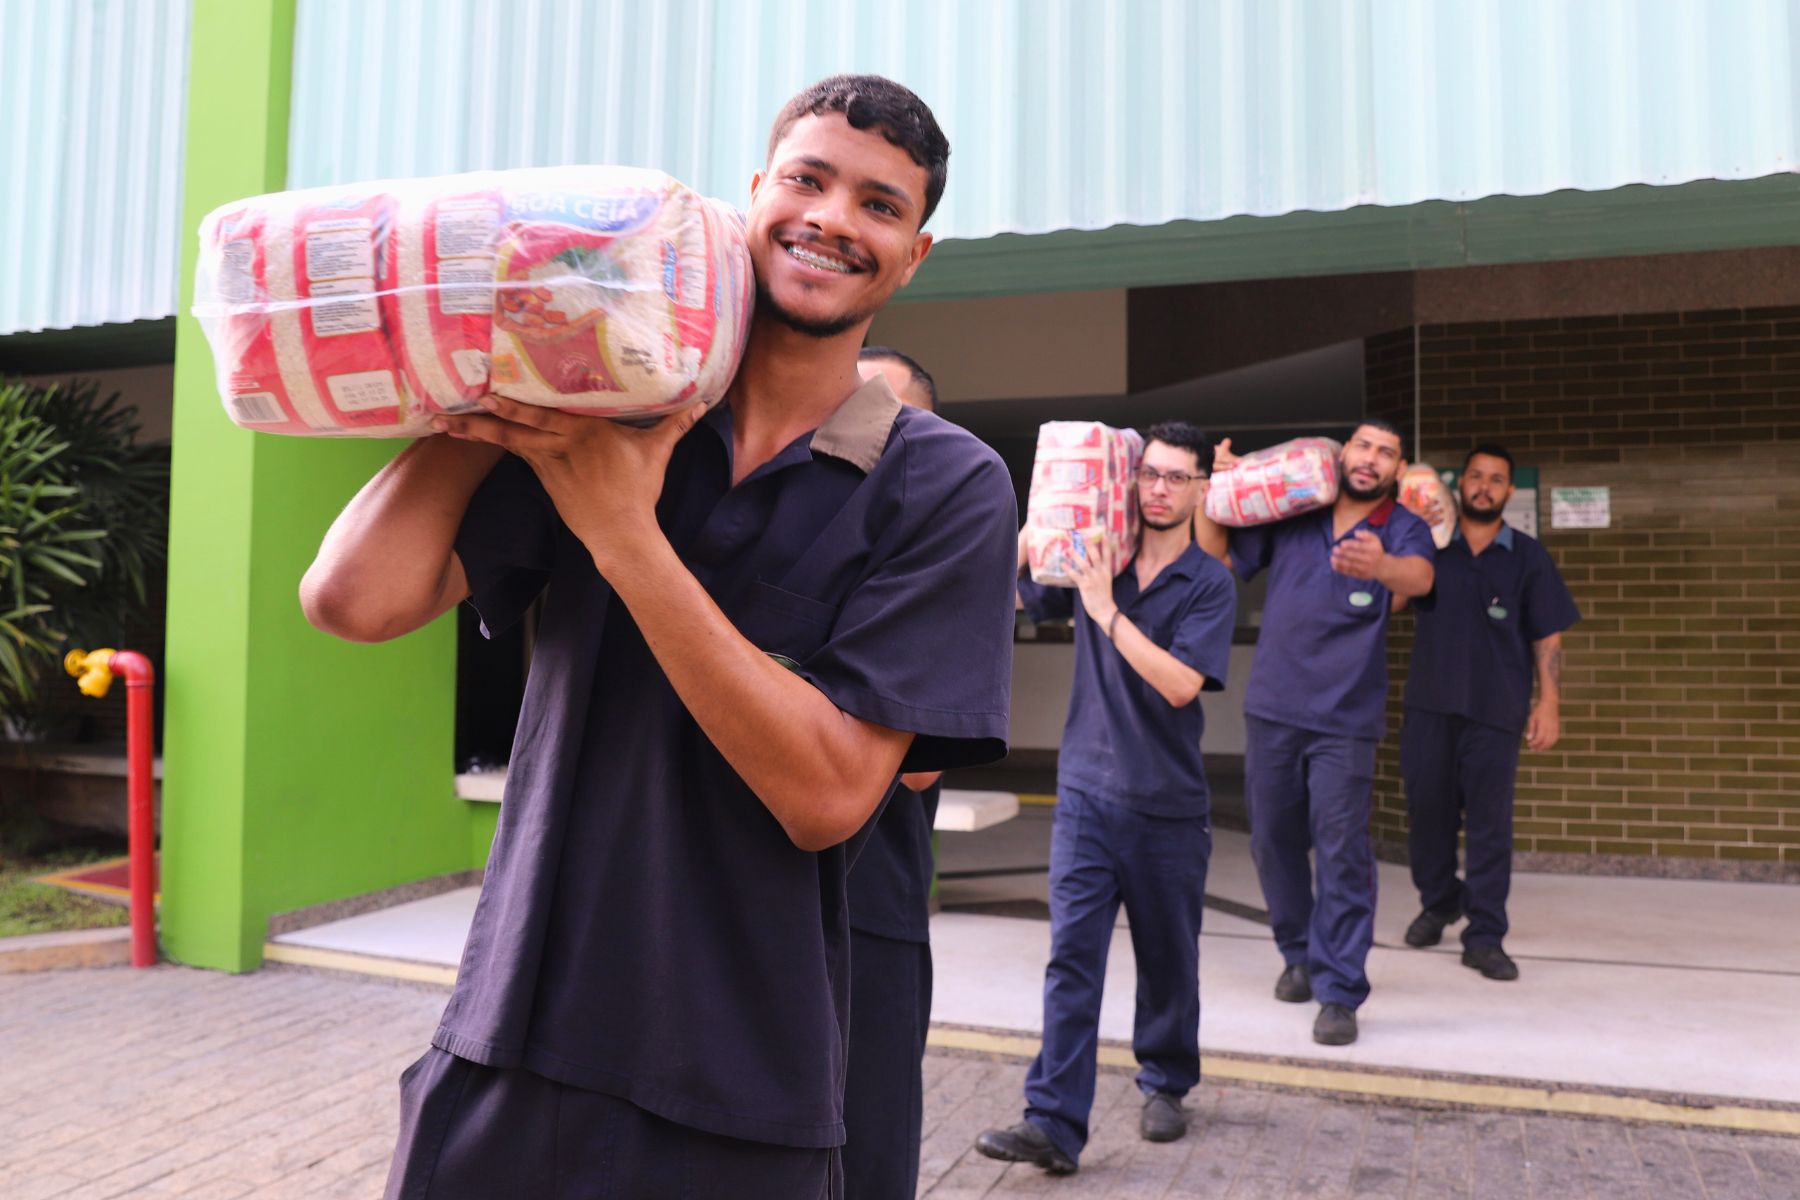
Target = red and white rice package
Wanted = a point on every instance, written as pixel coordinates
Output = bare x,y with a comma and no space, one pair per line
1421,484
1083,495
1273,484
289,293
364,310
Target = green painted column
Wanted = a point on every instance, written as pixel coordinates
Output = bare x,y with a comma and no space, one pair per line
298,769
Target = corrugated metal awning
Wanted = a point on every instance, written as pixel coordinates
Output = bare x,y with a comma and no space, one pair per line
91,111
1125,121
1070,115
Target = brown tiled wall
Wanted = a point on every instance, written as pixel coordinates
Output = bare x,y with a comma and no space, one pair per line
1681,711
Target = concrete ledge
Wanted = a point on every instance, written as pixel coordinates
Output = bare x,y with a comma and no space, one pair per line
368,902
76,950
967,812
347,963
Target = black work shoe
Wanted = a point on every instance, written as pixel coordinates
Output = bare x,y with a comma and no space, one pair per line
1295,984
1427,929
1025,1143
1335,1026
1162,1119
1491,961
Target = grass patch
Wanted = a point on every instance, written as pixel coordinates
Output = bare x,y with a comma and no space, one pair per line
29,848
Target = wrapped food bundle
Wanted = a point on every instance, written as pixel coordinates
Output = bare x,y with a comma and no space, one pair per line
1421,484
1083,495
293,285
1270,485
365,310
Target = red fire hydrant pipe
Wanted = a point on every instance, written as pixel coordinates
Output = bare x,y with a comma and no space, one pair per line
94,672
140,684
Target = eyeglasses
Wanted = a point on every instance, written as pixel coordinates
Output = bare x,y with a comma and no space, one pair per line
1175,479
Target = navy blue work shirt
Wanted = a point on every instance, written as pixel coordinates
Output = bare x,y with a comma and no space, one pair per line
890,883
646,928
1122,741
1472,650
1321,652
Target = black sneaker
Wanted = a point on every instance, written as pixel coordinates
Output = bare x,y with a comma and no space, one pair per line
1162,1119
1427,929
1295,984
1335,1026
1025,1143
1491,961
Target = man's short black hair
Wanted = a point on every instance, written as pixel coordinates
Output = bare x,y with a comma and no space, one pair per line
920,376
1493,450
872,102
1385,425
1183,436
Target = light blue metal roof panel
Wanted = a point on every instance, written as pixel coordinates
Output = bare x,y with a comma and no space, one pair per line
1077,115
91,108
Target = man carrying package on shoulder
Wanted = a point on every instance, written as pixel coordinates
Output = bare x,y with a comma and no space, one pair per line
1132,824
746,613
1314,709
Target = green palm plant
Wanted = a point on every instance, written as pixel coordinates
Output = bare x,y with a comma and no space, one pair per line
83,526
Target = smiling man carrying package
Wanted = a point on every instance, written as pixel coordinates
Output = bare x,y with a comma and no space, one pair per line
746,615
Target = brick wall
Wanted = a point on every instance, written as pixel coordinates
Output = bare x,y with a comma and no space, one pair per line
1681,710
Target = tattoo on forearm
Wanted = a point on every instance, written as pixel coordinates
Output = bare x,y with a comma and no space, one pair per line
1550,658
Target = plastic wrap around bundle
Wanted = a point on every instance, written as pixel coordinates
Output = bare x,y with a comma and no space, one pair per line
1418,486
289,294
365,310
1274,484
1083,495
619,292
441,311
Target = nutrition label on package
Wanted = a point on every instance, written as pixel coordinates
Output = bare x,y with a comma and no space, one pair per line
360,391
341,249
466,230
235,281
355,314
466,286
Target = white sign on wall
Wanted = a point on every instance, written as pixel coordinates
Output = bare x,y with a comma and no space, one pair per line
1580,508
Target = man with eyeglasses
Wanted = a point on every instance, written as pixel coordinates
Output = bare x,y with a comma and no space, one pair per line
1315,706
1131,822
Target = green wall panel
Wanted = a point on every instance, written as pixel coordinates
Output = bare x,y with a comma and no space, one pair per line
298,769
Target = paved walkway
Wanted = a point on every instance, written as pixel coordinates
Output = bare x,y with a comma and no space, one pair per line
174,1082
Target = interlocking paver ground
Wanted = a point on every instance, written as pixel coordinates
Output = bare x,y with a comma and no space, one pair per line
180,1083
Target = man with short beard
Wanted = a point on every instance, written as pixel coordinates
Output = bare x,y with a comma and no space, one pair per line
1131,823
746,615
1498,607
1314,709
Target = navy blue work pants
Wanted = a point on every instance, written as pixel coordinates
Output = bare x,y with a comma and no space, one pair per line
1103,855
884,1092
1459,778
1311,792
473,1132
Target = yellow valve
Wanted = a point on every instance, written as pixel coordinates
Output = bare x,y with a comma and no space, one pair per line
92,669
